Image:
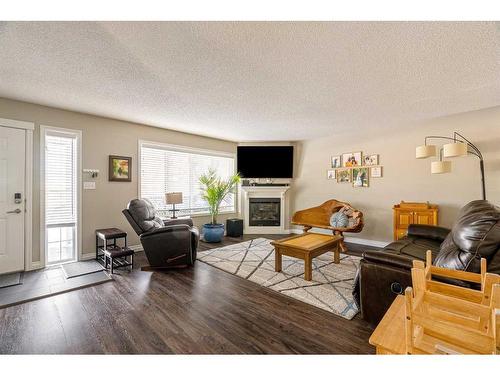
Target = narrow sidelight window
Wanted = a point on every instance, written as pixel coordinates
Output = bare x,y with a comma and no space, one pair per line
60,195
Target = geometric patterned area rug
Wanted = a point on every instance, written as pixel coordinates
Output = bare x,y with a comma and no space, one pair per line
330,288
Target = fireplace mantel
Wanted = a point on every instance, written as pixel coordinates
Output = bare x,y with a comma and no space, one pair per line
265,192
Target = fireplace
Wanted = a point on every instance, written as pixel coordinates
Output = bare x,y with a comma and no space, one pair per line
264,212
264,209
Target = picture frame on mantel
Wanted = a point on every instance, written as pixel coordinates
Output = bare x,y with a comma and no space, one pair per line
120,168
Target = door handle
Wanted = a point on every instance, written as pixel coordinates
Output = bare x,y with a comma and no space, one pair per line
16,211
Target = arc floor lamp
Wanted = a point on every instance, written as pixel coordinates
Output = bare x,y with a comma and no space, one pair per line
460,146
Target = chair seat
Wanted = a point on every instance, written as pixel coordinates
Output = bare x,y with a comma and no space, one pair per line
110,233
118,252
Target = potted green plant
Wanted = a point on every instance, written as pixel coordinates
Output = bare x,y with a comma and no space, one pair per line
214,190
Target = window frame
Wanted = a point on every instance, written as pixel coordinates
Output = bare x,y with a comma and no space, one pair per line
72,133
187,149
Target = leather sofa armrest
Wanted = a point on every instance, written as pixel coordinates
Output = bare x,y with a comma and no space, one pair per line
431,232
166,229
387,258
169,222
195,234
195,239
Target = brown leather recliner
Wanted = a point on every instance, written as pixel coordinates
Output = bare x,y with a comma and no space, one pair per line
385,274
167,243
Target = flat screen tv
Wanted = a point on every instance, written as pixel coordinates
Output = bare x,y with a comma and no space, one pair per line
265,161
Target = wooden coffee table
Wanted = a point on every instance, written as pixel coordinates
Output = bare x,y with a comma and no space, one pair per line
306,246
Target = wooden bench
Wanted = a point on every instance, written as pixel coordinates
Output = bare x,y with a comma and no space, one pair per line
319,217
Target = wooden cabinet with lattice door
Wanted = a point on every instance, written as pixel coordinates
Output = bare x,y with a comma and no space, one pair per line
407,213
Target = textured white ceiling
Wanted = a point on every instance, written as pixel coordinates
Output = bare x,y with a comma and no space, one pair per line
255,81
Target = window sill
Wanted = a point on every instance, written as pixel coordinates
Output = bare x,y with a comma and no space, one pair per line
204,214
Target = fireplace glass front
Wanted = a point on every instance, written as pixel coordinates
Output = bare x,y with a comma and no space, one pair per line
264,212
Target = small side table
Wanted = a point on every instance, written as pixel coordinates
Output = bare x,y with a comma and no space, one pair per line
111,253
390,337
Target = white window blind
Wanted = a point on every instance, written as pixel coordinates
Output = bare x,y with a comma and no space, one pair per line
60,180
165,170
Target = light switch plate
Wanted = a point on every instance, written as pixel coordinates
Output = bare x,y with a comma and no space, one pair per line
89,185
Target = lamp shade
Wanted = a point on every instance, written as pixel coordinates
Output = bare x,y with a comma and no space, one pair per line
451,150
440,167
426,151
173,198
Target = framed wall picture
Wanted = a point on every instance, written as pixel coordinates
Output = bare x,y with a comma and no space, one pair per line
330,174
352,159
120,168
360,177
376,172
336,161
344,175
370,159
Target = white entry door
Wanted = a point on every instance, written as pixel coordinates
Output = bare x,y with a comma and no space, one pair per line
12,202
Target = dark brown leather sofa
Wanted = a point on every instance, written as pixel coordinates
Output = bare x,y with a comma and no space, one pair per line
167,243
384,274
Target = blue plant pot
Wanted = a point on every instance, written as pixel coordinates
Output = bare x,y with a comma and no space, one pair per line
213,232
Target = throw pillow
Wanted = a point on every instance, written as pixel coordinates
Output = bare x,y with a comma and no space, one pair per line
339,220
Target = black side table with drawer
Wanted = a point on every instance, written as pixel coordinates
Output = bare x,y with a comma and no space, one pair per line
111,253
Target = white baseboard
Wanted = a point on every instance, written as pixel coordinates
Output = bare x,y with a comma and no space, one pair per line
88,256
356,240
363,241
35,266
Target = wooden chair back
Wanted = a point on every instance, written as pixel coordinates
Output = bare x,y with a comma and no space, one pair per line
319,217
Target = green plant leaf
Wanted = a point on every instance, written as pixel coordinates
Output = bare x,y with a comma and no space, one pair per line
215,189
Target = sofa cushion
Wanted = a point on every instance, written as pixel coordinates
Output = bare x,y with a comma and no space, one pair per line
413,247
475,235
431,232
144,214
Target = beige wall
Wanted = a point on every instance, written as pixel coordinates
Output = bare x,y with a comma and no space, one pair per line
404,177
101,137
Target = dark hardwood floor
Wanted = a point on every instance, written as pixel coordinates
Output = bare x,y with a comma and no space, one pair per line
194,310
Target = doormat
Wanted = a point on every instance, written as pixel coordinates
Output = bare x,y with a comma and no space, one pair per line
10,279
81,268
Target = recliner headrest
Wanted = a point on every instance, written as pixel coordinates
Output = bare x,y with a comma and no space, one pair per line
477,229
144,214
475,235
